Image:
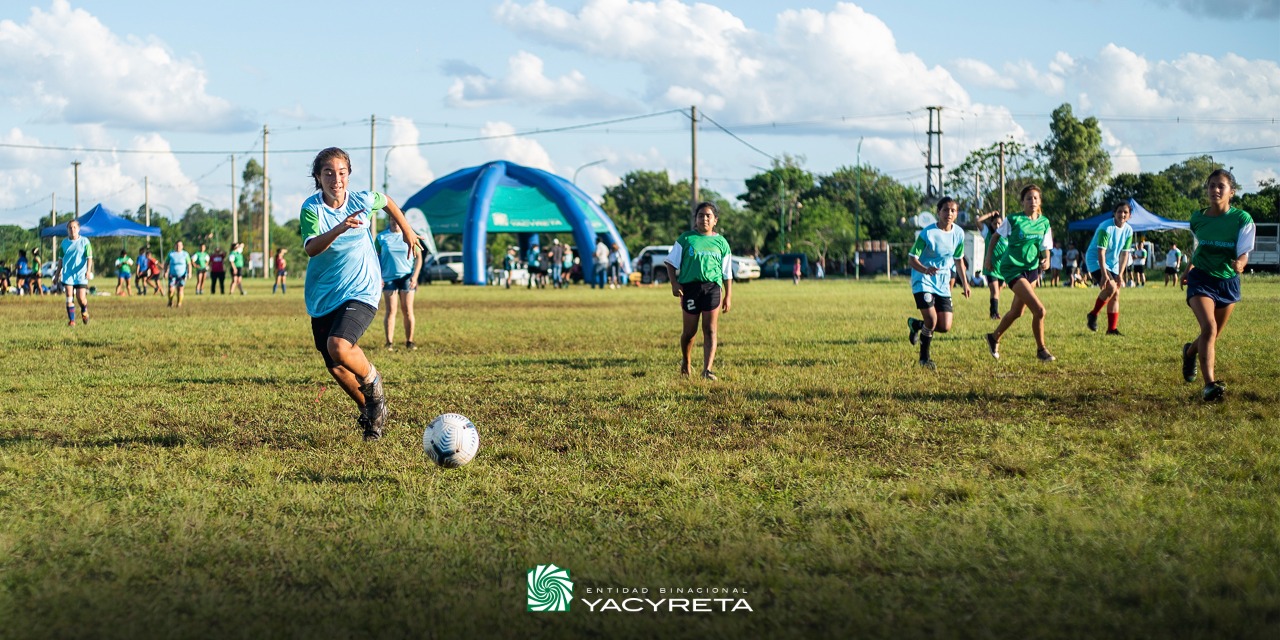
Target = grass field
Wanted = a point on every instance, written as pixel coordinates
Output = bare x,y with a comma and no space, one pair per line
195,473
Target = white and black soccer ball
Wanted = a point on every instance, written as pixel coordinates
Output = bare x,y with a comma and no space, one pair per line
451,440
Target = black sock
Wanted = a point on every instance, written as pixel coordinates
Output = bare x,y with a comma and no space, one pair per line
995,306
926,339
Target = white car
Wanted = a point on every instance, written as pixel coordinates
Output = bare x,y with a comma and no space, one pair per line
745,269
655,255
445,266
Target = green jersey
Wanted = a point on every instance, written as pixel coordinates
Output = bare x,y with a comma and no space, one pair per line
1027,238
701,258
237,259
201,260
1221,239
124,266
998,251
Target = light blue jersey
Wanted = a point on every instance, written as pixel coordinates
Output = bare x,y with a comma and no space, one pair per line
178,261
939,249
348,269
76,255
1115,240
393,255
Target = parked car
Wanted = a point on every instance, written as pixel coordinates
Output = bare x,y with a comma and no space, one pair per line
445,266
781,265
745,269
651,258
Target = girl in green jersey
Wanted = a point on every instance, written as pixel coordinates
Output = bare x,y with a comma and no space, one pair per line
1030,239
699,268
1225,236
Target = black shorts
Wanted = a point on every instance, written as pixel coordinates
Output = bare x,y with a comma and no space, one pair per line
1140,268
1223,293
403,283
699,297
349,321
1171,271
1032,276
1096,276
926,300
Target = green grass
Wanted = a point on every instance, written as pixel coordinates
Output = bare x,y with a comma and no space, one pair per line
194,472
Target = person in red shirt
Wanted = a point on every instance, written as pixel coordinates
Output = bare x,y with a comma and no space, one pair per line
217,271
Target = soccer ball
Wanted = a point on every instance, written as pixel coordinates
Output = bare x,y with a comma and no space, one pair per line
451,440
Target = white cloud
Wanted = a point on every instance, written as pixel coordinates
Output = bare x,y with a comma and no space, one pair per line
980,74
526,83
1229,9
407,169
1123,158
515,149
70,67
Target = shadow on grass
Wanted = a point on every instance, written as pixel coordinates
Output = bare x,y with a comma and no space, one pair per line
304,381
319,477
582,364
165,440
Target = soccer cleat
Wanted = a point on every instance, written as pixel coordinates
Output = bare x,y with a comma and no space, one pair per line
928,364
914,326
995,315
707,375
409,345
1091,321
993,346
1188,363
1213,391
85,319
1114,332
71,323
375,408
389,347
1044,356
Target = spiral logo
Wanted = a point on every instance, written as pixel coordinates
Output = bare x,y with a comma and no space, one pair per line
549,588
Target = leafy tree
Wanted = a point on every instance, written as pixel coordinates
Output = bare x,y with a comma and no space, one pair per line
1151,190
1077,163
975,182
1264,204
1188,177
779,194
648,208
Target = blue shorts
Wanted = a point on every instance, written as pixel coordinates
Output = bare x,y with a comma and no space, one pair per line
177,281
1223,292
126,276
403,283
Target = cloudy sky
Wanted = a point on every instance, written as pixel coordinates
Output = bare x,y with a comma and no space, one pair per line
170,91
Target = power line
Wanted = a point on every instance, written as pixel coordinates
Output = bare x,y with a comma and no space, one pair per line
735,137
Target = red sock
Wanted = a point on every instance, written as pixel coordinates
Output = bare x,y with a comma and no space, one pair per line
1097,306
1113,321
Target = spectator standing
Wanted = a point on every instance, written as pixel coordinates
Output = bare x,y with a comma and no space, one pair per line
218,271
236,261
557,263
601,264
200,260
124,272
178,265
400,266
1172,263
282,271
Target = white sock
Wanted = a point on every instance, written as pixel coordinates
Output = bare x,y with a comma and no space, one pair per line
373,375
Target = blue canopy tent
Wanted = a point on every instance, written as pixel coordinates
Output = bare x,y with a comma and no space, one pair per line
504,197
99,222
1140,219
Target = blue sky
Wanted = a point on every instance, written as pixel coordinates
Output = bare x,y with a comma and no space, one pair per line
104,79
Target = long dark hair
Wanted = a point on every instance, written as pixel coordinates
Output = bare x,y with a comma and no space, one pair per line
323,158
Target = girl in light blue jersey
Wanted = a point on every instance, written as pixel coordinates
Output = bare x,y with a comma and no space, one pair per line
344,280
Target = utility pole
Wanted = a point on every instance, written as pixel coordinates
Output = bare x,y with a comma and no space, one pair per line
857,207
146,199
373,169
235,221
76,168
782,213
1002,187
933,164
693,137
266,206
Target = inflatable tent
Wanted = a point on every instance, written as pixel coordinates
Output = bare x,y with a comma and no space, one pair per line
504,197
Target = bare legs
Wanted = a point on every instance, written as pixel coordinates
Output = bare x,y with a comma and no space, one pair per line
395,300
1024,298
710,325
1212,321
351,367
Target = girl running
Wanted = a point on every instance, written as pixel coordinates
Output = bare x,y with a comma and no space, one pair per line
1030,238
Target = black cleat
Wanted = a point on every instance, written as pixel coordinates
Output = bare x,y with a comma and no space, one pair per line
375,408
995,315
1213,391
410,346
1188,363
708,375
914,326
993,346
1044,356
1114,332
928,364
1091,321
